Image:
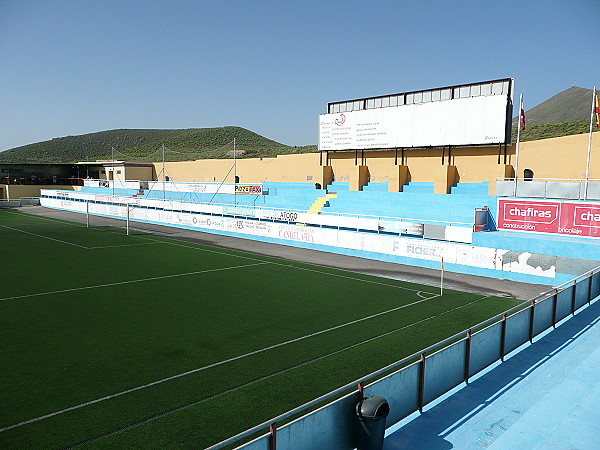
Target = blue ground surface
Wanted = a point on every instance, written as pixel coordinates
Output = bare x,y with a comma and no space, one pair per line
547,396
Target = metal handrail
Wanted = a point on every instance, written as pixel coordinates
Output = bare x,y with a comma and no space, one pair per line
330,214
568,180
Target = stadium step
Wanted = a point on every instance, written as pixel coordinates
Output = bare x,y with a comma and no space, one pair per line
375,187
319,203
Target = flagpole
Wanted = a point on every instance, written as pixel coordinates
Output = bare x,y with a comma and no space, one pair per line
587,165
519,122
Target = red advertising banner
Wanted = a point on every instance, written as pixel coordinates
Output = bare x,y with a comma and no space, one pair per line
567,218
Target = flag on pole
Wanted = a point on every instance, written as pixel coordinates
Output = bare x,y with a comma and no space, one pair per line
522,117
597,111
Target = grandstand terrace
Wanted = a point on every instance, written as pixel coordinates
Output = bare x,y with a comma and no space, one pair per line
458,208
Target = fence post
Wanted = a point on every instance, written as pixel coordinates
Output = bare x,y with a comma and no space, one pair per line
554,306
573,294
503,339
590,288
421,382
361,391
273,437
467,356
531,319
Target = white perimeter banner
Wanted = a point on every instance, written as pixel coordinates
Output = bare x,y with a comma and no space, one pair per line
206,188
463,121
466,255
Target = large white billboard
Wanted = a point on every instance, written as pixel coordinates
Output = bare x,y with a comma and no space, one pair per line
463,121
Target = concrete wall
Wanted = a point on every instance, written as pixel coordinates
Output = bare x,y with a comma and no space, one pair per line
292,168
139,173
563,157
16,191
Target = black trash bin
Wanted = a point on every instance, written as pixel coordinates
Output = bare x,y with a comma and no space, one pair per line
371,413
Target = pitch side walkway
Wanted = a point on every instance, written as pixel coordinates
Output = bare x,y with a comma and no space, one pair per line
545,397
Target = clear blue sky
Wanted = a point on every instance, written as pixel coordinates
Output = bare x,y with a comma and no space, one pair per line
70,67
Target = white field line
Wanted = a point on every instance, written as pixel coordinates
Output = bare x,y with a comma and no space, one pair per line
171,241
45,237
168,242
117,283
209,366
123,245
77,245
233,359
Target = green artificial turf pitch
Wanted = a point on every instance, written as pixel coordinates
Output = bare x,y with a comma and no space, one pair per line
109,340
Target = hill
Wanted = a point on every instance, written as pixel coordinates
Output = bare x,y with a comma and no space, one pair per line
550,130
145,145
567,106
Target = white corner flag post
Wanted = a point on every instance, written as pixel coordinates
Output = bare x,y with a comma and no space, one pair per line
442,278
127,208
87,213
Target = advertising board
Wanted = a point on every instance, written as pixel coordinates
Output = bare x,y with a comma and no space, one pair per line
546,216
463,121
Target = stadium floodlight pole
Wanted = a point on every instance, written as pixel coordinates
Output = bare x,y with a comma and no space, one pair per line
234,175
587,167
518,142
112,149
163,172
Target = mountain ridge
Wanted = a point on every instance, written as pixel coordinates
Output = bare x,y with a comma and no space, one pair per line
146,144
563,114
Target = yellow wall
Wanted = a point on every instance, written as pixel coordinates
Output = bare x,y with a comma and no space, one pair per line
138,173
296,168
16,191
563,157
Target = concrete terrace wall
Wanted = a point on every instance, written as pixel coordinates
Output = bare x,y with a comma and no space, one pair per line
290,168
563,157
